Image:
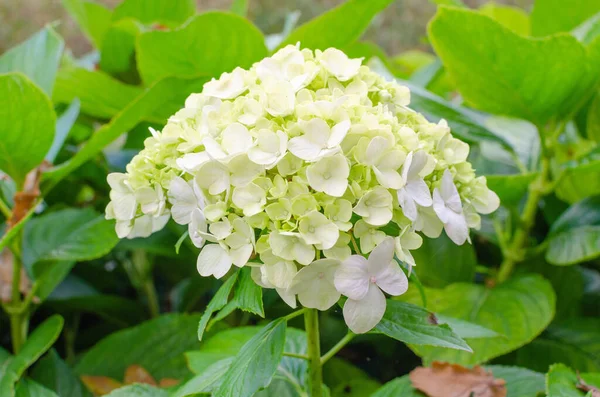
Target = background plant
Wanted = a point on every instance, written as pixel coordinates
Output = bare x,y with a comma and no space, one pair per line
529,281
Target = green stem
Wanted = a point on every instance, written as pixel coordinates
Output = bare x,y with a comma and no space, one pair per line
18,329
295,355
514,252
338,346
354,244
315,371
152,297
4,209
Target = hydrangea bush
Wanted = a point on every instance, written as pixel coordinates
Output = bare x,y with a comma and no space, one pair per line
311,169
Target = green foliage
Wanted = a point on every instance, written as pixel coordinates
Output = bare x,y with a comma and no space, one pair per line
518,310
233,42
93,18
527,89
216,303
338,27
170,13
546,21
26,127
138,391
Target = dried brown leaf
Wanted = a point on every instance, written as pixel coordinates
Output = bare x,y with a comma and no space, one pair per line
168,382
100,385
452,380
137,374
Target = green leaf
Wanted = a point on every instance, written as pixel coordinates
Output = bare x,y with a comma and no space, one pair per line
338,27
545,20
441,262
465,329
68,235
240,7
510,188
574,342
205,381
456,3
561,381
513,18
37,58
157,345
118,47
520,382
518,310
48,275
233,42
170,13
216,303
346,380
27,123
482,56
465,124
579,180
29,388
100,95
414,325
255,364
248,295
138,391
160,100
593,119
522,137
398,387
53,373
93,19
575,236
589,30
63,125
38,342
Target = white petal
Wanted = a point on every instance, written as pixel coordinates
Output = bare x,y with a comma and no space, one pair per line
419,191
240,256
409,207
456,228
191,162
281,273
303,148
392,279
314,284
363,315
338,133
381,256
449,192
213,260
287,297
236,139
197,228
352,277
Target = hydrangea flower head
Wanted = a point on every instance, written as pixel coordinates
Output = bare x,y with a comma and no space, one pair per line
303,156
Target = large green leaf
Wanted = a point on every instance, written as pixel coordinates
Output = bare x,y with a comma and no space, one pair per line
38,342
593,119
514,18
47,275
589,30
63,126
170,13
68,235
483,57
93,19
338,27
100,95
29,388
157,345
553,16
574,342
441,262
27,123
222,348
53,373
255,364
247,296
233,42
561,381
118,47
575,236
411,324
347,380
520,382
160,100
518,310
579,180
398,387
37,58
510,188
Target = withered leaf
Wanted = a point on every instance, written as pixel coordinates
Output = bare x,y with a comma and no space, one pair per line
100,385
137,374
452,380
168,382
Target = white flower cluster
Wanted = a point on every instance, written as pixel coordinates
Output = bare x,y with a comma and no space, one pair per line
305,155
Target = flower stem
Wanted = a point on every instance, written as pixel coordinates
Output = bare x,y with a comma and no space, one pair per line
514,251
152,297
338,346
18,317
315,371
